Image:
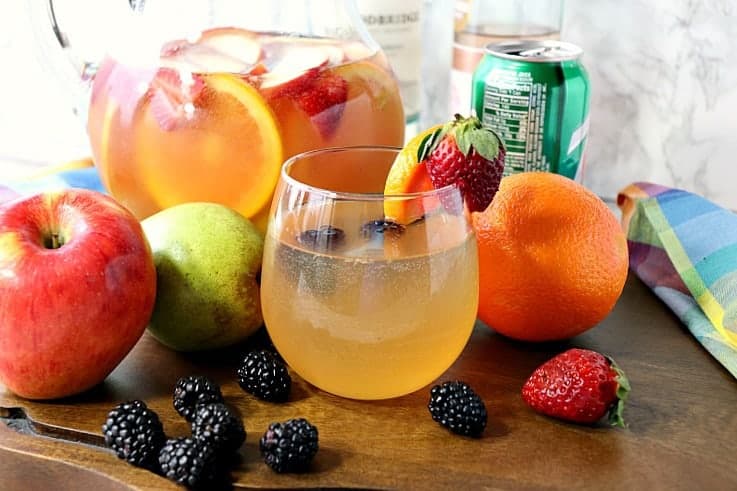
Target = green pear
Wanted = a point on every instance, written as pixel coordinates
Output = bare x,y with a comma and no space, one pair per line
207,259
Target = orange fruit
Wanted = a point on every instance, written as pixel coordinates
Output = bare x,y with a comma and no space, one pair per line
407,176
229,153
552,258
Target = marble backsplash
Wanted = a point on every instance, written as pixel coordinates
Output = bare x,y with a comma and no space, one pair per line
664,93
664,100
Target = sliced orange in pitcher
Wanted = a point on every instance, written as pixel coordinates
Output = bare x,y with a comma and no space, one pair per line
119,91
406,176
111,110
371,90
225,146
367,77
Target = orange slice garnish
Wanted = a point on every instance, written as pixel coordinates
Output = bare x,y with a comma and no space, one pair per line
406,176
225,148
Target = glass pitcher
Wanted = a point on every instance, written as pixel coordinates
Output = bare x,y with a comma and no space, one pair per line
202,100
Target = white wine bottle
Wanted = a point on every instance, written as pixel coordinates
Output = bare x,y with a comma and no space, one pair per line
397,27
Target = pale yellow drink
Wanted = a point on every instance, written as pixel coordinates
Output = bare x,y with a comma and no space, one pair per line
374,315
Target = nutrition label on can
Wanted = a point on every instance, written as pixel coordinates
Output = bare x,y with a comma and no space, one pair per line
514,107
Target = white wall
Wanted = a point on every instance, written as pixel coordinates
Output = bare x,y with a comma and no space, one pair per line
37,125
664,103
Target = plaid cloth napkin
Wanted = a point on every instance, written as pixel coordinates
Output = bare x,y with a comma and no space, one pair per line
684,248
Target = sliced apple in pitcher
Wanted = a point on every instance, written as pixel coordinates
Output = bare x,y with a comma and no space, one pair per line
278,48
292,74
234,43
225,49
355,51
291,68
203,59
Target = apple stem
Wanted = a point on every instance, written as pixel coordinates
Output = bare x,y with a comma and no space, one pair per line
53,241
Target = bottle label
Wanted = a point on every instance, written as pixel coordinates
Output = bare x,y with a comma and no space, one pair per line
397,27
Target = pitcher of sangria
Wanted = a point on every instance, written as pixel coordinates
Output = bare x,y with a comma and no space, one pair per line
203,100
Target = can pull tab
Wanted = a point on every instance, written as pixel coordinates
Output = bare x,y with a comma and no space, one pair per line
541,52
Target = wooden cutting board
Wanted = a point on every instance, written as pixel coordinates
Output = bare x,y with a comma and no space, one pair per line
682,421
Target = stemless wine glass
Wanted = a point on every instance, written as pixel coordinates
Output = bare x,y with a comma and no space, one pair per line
358,304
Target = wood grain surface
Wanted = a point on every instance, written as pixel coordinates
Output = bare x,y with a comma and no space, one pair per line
682,419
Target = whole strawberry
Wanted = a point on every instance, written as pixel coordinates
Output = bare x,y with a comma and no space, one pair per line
578,385
464,153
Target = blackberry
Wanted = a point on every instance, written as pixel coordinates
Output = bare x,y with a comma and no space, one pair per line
193,390
265,376
457,407
189,462
326,237
135,433
217,425
382,227
289,446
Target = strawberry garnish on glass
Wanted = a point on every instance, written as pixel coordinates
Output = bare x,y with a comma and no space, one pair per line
465,153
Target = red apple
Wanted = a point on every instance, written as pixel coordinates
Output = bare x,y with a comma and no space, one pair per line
77,287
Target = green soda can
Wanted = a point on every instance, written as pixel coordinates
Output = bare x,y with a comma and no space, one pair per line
535,95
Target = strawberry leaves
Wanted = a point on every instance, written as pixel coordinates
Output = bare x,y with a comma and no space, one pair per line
429,143
463,140
485,142
614,416
469,135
